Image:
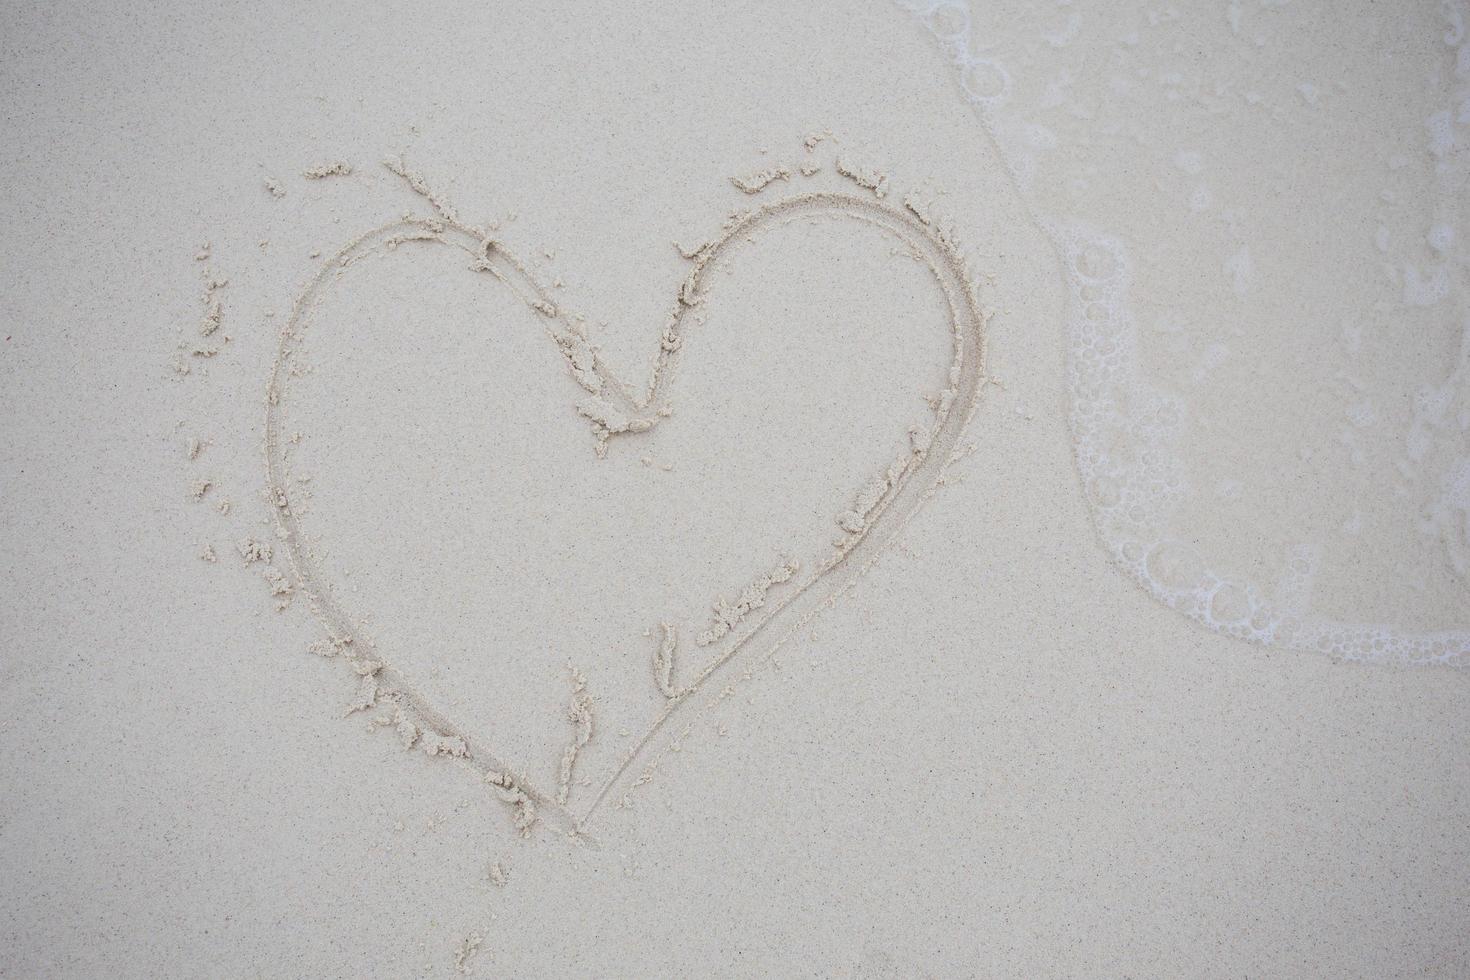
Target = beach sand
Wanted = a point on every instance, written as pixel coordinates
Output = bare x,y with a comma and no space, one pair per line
495,491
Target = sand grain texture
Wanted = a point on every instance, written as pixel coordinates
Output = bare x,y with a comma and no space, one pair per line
1000,751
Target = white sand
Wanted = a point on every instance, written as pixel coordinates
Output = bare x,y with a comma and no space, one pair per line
994,753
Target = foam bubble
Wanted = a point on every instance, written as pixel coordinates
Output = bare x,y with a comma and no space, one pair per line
1097,261
986,81
1229,604
949,20
1176,567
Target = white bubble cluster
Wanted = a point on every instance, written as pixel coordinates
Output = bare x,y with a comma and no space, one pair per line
985,81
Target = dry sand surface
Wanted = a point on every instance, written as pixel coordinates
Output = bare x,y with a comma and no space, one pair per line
754,489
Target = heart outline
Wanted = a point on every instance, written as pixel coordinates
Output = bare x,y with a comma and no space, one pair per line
931,451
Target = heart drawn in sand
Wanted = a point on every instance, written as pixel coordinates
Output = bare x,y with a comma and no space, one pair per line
774,607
